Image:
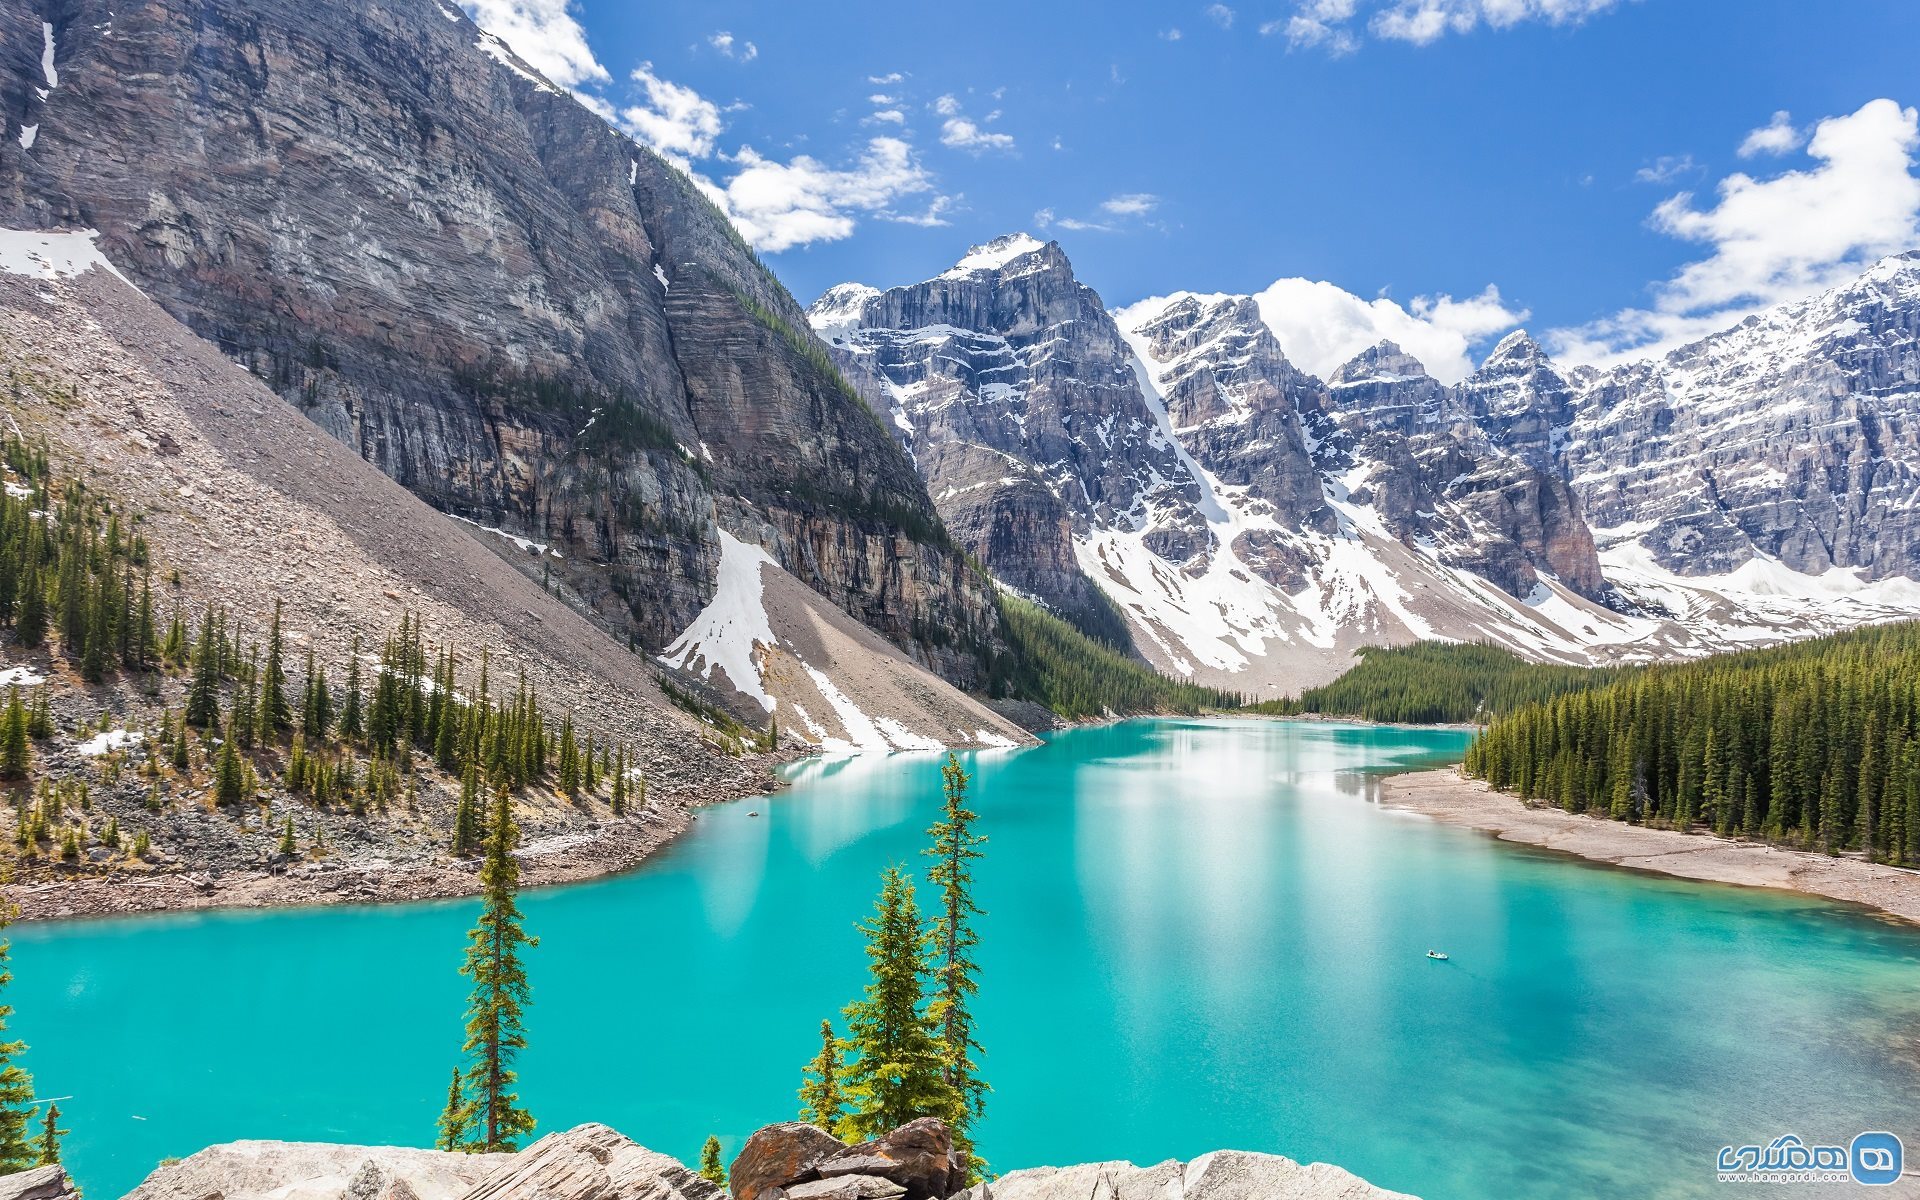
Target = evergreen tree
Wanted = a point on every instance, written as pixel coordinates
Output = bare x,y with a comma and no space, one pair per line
898,1072
955,973
820,1100
47,1149
16,1086
288,847
710,1165
228,783
495,1011
352,722
16,756
275,713
203,694
454,1118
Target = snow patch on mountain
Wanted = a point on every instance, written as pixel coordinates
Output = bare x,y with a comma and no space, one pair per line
52,253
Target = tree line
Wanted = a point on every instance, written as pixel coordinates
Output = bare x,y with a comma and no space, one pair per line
1814,745
1430,683
1075,676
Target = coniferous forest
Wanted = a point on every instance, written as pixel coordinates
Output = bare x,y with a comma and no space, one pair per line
1813,745
1430,683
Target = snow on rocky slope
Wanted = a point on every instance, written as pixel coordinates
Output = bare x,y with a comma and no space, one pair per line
1252,525
825,678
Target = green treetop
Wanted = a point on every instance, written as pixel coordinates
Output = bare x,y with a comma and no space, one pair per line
496,1032
898,1072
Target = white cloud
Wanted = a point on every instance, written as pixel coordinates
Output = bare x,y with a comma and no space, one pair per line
781,205
962,134
885,116
1220,15
545,34
1777,136
1171,35
934,215
674,119
889,77
1330,24
729,47
1424,22
946,105
1775,240
1666,168
1131,204
1321,325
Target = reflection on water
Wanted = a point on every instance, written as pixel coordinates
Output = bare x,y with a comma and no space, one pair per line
1199,934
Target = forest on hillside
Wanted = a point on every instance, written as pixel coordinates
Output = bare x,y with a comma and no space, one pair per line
1813,745
1056,665
1431,683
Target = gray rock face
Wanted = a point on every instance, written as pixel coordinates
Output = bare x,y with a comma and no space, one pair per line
1014,389
1222,1175
256,1170
507,306
1795,435
40,1183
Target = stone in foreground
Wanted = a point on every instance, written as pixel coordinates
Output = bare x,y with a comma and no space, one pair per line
41,1183
919,1156
1221,1175
780,1156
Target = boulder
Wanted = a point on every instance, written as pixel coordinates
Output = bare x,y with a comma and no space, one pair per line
1222,1175
847,1187
919,1156
780,1156
255,1170
592,1162
41,1183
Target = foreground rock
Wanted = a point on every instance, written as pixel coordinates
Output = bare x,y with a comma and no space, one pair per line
789,1161
1222,1175
41,1183
795,1161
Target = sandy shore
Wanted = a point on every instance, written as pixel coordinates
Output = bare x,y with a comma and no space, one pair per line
1446,795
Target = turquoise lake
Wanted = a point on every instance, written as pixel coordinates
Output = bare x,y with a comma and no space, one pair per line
1200,934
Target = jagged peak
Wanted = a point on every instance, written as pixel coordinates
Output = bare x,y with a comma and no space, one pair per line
840,308
1517,346
1382,362
997,254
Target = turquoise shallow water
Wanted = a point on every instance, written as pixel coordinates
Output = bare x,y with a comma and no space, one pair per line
1201,934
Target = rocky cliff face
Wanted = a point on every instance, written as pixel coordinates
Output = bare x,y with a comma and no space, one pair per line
1253,523
490,294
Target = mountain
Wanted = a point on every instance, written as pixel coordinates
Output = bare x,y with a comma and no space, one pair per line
1253,525
518,313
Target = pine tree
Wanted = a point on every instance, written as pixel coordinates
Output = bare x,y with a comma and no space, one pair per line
352,722
47,1149
711,1167
203,694
16,755
288,847
275,713
495,1011
619,797
454,1118
16,1086
898,1072
821,1103
228,785
955,973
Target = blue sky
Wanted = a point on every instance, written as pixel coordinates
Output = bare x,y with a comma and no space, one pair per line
1582,157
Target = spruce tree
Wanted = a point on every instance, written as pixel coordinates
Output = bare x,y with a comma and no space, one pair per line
16,756
496,1032
203,694
229,787
898,1072
47,1149
352,721
711,1167
275,713
454,1118
16,1086
955,973
820,1100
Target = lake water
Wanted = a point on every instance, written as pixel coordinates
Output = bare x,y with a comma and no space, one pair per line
1200,934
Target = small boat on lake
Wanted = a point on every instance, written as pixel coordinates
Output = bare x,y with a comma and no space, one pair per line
1437,954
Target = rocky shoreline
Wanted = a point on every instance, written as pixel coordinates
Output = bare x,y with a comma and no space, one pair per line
1447,795
789,1161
